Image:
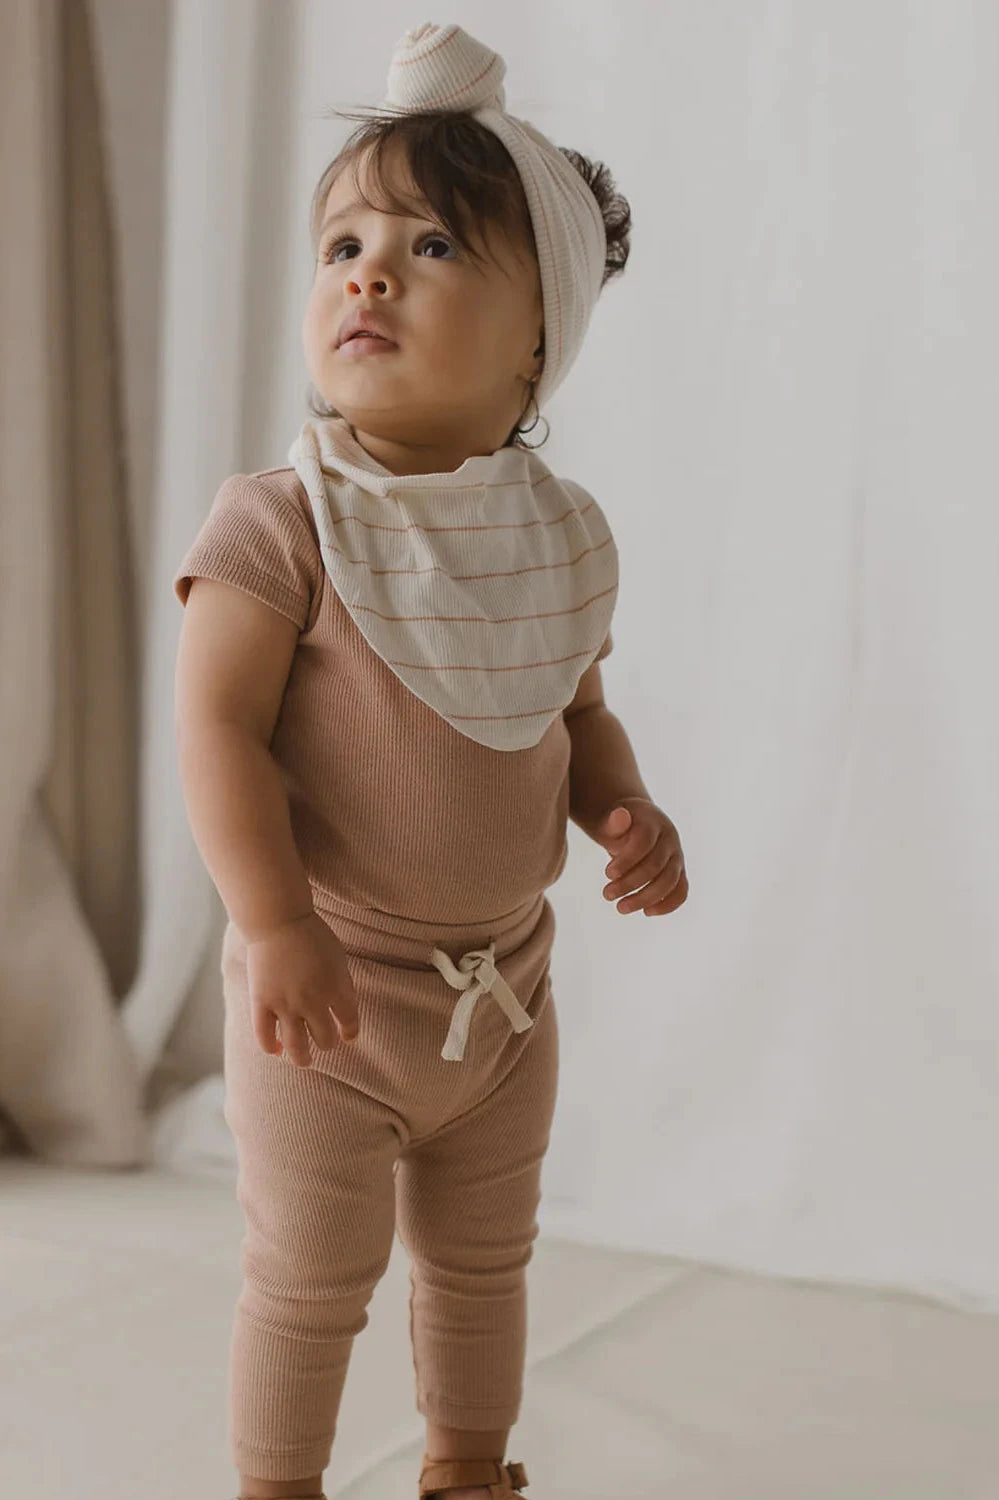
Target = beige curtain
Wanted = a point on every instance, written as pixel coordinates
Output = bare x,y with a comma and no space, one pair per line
69,646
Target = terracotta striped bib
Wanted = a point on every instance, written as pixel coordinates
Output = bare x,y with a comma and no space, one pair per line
488,591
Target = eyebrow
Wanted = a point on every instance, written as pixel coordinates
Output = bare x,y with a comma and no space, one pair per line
353,207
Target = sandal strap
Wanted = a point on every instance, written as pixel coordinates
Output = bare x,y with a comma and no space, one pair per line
451,1473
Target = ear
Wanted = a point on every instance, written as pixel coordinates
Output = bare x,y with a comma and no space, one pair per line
540,350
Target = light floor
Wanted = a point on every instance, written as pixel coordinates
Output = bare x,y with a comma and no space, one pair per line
648,1378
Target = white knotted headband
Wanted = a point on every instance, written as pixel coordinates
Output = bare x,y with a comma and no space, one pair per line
443,68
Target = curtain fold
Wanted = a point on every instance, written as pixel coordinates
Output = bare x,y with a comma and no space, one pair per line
70,916
91,789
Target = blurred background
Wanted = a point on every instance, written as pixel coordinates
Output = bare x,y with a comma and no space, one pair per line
769,1251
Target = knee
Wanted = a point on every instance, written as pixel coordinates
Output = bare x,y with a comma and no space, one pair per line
323,1293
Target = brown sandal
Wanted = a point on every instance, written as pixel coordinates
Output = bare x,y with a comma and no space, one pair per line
501,1479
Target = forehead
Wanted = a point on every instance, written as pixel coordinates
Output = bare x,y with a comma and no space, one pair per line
358,177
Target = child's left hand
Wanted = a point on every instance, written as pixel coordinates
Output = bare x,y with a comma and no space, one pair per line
646,853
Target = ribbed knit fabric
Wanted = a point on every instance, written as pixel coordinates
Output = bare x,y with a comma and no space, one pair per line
415,839
379,1135
391,807
488,590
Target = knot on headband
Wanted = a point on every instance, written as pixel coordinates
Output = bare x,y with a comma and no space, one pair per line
444,68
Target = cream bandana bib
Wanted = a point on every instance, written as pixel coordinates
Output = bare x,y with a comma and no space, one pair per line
488,591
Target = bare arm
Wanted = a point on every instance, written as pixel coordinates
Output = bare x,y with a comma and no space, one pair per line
232,666
602,765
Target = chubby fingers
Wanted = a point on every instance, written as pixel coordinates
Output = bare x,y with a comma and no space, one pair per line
628,877
652,886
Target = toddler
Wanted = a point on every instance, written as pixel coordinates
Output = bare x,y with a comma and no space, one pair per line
388,704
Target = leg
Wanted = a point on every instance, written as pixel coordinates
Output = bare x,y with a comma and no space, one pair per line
316,1186
289,1489
466,1200
458,1442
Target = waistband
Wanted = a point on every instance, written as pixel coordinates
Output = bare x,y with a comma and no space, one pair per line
366,932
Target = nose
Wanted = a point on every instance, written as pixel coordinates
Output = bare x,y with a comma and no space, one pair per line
373,270
374,283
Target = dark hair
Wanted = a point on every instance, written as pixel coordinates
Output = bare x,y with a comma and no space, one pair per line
464,171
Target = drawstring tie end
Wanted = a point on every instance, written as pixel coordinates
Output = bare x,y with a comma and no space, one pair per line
476,974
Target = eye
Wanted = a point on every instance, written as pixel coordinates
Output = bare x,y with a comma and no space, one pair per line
441,239
329,253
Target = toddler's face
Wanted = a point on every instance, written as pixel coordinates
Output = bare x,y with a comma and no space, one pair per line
465,332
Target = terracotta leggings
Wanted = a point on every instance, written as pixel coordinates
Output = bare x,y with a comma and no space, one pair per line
380,1135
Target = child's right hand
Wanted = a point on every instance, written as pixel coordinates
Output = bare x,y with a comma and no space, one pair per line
298,975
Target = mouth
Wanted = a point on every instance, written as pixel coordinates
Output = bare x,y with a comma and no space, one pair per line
366,343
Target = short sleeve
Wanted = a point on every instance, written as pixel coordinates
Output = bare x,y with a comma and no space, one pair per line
256,538
606,648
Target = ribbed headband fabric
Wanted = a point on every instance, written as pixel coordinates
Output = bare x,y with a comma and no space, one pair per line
444,68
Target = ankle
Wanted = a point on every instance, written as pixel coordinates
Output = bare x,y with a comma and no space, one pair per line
280,1489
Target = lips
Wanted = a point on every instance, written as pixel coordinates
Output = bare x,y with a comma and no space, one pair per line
366,347
364,320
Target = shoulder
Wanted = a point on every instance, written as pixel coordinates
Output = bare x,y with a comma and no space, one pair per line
588,509
543,478
280,491
259,535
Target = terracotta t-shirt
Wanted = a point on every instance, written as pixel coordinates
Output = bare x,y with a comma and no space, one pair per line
392,809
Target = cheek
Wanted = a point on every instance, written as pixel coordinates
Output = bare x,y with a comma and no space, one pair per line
318,325
474,329
497,336
309,322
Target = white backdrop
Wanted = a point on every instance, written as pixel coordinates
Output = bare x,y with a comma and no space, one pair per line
783,407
